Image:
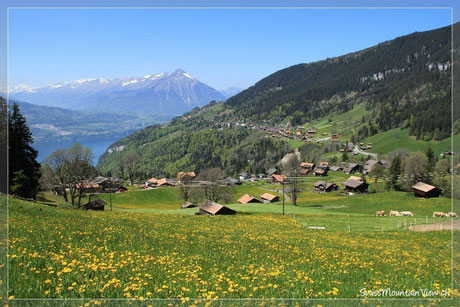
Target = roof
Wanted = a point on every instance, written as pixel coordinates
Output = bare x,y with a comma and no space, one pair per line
423,187
162,181
352,165
152,180
324,163
320,171
268,196
246,198
319,183
188,204
355,178
213,208
307,164
353,183
100,179
335,168
271,171
279,178
180,175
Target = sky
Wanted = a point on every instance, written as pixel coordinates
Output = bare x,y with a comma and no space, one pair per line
220,47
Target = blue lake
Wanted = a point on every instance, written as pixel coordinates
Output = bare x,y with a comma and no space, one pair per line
97,146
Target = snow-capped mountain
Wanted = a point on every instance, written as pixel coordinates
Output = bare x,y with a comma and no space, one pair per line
161,93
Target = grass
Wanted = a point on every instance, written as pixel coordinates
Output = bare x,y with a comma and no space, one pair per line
130,255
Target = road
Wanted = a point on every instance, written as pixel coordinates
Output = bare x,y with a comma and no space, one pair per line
357,150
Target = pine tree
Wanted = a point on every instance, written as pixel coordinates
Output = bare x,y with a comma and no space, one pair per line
393,174
24,170
431,159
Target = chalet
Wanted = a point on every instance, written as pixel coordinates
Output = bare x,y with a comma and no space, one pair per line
244,176
356,186
212,208
355,178
187,175
187,205
246,199
151,182
97,205
164,183
321,171
352,168
278,178
271,171
269,198
307,165
304,171
335,168
425,190
322,186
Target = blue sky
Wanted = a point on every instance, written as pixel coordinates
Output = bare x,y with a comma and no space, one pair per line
221,47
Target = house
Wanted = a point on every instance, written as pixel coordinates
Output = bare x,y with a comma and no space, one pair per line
187,175
355,178
335,168
352,168
243,176
97,205
212,208
164,182
278,178
356,186
187,205
151,182
304,171
246,199
311,131
269,198
261,175
229,181
307,165
321,172
323,165
425,190
325,186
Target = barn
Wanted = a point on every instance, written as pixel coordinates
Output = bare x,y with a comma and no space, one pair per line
212,208
322,186
269,198
187,205
425,190
352,185
246,199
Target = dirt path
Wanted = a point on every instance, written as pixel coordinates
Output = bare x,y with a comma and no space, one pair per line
446,225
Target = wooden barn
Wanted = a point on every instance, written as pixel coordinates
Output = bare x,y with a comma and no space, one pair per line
246,199
425,190
97,205
356,186
187,205
269,198
211,208
352,168
321,172
322,186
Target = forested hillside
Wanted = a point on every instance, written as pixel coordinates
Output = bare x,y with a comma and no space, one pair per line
404,83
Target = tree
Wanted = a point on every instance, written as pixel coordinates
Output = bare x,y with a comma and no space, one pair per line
393,174
429,153
211,189
3,148
132,160
185,188
441,176
24,170
292,166
69,171
344,156
378,171
415,170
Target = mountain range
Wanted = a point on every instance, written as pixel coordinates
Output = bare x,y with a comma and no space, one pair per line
402,84
159,94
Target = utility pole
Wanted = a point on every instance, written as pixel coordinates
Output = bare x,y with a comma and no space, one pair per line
283,197
111,209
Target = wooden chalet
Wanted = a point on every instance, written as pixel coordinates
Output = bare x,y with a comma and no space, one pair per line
269,198
246,199
212,208
352,168
187,205
335,168
307,165
278,178
356,186
321,172
425,190
186,175
322,186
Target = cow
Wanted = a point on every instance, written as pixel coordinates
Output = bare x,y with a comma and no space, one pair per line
380,213
452,214
395,213
406,213
439,214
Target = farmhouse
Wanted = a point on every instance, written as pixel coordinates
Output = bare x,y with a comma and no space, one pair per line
187,175
211,208
246,199
425,190
325,186
278,178
352,185
268,198
352,168
187,205
321,172
307,165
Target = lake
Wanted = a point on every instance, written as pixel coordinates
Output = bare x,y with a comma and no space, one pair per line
97,146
